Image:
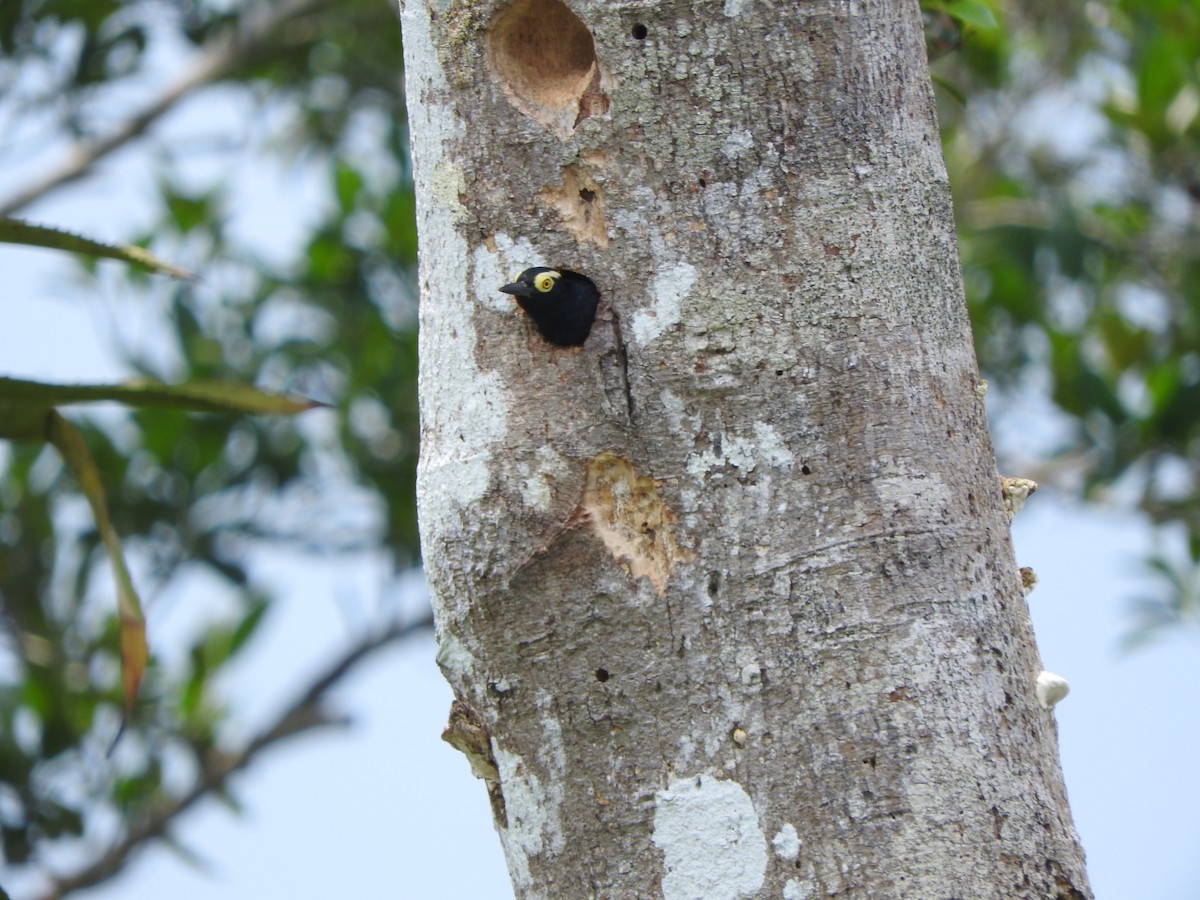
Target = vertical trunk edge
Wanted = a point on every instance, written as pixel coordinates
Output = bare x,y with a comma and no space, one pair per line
726,595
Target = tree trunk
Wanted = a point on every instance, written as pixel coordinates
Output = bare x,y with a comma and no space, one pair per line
726,595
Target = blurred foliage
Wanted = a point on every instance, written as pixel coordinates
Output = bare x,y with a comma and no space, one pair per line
1070,132
194,495
1075,162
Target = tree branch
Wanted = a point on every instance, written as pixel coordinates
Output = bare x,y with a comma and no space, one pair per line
219,57
303,714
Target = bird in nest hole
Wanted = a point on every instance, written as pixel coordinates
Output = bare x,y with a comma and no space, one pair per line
561,303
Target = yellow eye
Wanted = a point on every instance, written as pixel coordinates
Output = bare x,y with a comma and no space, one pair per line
545,281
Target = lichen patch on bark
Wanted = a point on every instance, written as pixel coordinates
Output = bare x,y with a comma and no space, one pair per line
711,841
534,789
672,285
627,512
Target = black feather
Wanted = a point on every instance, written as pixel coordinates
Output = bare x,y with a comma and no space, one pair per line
564,314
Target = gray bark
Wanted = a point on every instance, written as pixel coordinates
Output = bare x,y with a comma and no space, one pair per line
727,595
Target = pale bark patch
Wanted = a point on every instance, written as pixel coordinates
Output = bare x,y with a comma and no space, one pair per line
498,260
533,803
743,453
795,889
712,845
580,202
454,658
627,513
739,143
473,399
899,491
671,287
538,477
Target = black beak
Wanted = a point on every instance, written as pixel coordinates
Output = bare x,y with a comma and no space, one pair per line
517,289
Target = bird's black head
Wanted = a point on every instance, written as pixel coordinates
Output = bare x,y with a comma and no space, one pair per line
561,303
538,280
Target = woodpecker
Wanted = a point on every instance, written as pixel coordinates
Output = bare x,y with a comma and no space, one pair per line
561,303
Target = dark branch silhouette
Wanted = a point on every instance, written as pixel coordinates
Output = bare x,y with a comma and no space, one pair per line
223,54
305,713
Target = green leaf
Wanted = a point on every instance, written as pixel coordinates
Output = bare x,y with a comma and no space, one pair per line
23,402
972,12
248,625
186,853
951,89
188,213
134,654
226,798
18,231
347,184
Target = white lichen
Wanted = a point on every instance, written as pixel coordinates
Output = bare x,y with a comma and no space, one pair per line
771,446
795,889
902,493
751,675
532,804
786,842
537,476
669,291
738,142
744,453
454,658
460,399
712,845
492,268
